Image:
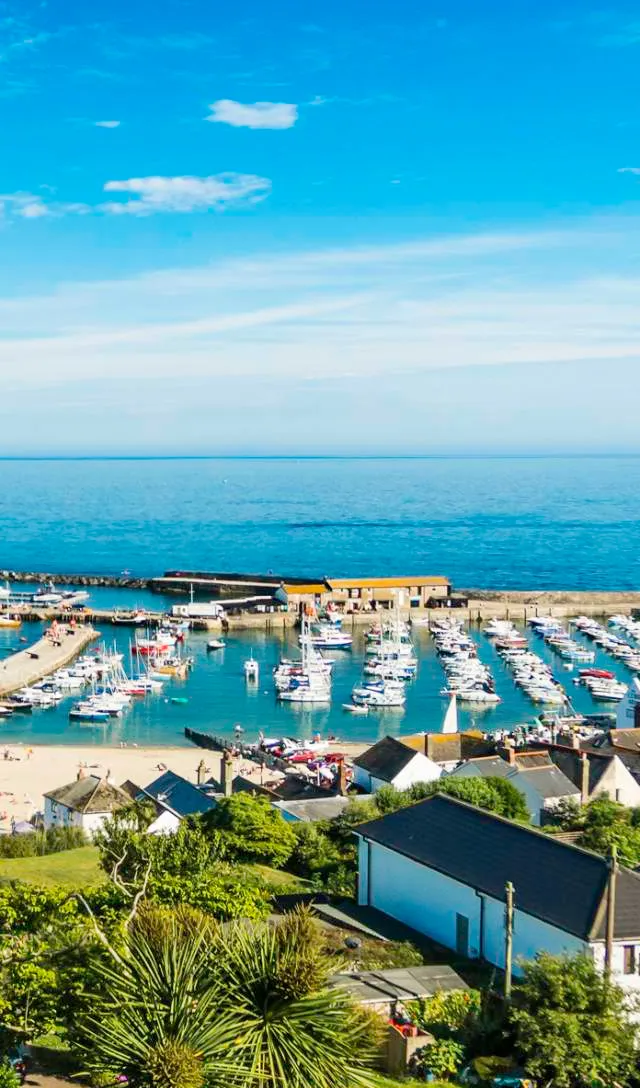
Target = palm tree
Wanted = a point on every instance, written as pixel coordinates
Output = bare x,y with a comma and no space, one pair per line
189,1004
291,1030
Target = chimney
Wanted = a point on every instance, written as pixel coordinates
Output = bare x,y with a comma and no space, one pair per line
82,773
342,778
584,778
226,772
201,771
510,750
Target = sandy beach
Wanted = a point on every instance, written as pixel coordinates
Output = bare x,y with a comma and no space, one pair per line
31,771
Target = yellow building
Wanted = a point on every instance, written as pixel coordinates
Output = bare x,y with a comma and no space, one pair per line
370,594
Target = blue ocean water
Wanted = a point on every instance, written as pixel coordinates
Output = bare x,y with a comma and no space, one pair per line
548,523
557,523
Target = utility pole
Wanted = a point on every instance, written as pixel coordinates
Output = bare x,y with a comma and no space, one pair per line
508,939
611,911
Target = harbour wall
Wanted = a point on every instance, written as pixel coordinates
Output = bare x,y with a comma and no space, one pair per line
43,658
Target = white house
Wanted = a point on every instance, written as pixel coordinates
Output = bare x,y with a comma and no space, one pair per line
441,867
86,803
390,762
533,774
174,798
597,774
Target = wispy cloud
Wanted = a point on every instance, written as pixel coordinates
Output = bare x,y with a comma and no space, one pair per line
629,170
147,196
275,115
107,124
185,194
456,301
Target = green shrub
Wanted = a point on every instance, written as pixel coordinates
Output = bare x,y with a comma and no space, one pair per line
8,1076
443,1058
446,1013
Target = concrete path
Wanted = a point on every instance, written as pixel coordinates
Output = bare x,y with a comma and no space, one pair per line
43,658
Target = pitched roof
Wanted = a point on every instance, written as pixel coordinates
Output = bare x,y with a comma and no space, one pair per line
625,738
548,782
386,758
177,794
526,760
398,984
488,766
569,761
389,583
90,795
316,808
560,884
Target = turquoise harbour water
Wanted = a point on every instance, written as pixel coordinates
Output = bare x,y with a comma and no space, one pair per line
219,698
522,523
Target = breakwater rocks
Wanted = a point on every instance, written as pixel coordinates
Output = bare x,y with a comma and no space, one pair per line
118,581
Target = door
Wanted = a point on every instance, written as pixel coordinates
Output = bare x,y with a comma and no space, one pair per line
462,935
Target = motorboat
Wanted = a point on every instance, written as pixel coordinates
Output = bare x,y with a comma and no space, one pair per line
251,670
379,694
81,713
356,708
216,644
10,621
327,636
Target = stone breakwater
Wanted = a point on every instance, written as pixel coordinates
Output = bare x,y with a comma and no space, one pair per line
118,581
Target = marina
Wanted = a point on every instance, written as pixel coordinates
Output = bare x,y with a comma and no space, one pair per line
387,676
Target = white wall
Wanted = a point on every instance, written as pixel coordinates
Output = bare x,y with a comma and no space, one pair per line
418,769
165,824
57,815
429,901
619,784
629,983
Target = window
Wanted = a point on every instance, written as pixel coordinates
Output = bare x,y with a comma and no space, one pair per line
630,962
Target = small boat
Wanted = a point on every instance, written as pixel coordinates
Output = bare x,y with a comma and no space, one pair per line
10,621
251,670
6,711
599,674
82,714
354,708
216,644
181,700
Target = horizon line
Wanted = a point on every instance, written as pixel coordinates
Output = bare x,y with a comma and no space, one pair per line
459,456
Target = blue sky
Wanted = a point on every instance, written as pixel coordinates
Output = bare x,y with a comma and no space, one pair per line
395,227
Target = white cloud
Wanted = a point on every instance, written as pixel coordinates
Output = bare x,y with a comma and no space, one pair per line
185,194
254,115
23,205
107,124
148,196
629,170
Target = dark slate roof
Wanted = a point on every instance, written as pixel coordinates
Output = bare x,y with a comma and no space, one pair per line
178,794
527,760
317,808
625,738
386,759
549,782
555,882
489,766
569,762
398,984
90,795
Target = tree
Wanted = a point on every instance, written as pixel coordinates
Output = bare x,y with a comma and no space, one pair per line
494,794
570,1024
251,829
184,867
184,1005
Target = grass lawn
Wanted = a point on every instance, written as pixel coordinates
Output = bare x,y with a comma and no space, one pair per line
277,878
75,868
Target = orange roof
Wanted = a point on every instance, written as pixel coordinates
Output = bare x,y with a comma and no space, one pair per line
307,590
388,583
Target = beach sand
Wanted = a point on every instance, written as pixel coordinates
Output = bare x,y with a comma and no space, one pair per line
34,770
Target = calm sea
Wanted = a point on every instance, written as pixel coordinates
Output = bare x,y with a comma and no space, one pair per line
485,522
550,523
